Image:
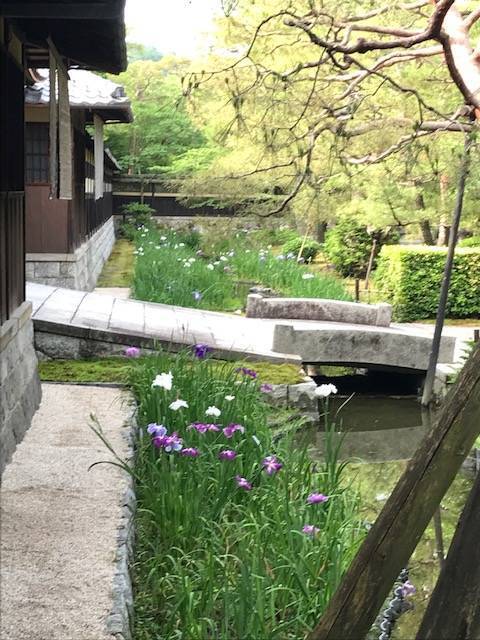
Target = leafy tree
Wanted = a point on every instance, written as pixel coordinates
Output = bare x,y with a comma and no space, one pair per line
162,131
341,107
136,51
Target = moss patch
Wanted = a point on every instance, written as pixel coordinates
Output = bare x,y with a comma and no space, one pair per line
116,370
118,270
275,373
101,370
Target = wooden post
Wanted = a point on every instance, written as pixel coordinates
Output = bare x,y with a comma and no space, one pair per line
99,152
442,304
440,550
397,530
357,290
453,610
370,262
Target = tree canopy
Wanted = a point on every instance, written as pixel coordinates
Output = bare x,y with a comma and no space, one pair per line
343,108
162,131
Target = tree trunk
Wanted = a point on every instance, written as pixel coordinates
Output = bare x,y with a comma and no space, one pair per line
443,227
426,230
425,227
320,230
443,234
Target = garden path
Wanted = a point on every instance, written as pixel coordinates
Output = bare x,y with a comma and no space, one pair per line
60,521
105,318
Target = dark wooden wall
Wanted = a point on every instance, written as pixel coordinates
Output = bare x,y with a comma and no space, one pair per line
161,197
168,205
12,263
61,226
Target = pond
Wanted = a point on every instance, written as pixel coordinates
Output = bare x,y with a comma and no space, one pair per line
380,434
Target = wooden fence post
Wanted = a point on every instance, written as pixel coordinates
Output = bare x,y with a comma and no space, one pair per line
397,530
453,610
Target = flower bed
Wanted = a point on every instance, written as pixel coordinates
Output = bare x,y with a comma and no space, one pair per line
170,270
239,534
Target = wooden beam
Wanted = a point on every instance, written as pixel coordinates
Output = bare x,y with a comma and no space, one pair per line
58,58
406,514
62,10
453,610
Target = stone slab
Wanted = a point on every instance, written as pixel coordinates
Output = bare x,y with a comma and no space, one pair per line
60,306
354,347
116,292
127,316
94,311
318,309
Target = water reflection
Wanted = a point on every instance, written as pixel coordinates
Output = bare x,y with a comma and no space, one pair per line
375,429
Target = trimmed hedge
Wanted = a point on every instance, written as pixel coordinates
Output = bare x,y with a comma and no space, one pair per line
472,241
410,279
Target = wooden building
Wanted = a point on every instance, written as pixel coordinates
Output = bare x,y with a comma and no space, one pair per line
37,34
68,240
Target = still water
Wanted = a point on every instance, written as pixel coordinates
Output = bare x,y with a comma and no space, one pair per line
380,434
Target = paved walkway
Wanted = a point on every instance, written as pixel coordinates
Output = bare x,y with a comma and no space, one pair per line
59,521
224,332
117,292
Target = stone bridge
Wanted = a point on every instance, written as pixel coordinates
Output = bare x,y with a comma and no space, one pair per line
77,324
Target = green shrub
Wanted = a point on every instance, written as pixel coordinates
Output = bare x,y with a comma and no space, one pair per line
309,250
410,279
473,241
348,246
136,215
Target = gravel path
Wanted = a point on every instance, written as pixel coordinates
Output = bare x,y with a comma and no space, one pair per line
59,521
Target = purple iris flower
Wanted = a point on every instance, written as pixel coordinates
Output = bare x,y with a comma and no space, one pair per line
316,498
310,530
271,465
227,454
169,443
233,428
132,352
159,441
155,429
201,350
266,388
190,452
242,483
408,589
247,372
202,427
197,296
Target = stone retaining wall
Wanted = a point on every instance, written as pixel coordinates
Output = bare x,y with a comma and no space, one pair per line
78,270
319,309
20,391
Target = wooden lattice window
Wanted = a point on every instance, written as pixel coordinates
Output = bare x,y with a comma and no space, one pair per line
37,153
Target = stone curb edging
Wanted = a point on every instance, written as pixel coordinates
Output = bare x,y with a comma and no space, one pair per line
120,618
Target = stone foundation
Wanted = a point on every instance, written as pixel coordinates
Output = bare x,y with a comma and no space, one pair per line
20,390
78,270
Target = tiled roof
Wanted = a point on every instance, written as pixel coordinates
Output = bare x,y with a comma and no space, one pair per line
87,90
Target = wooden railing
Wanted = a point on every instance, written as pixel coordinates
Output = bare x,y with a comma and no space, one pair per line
12,259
